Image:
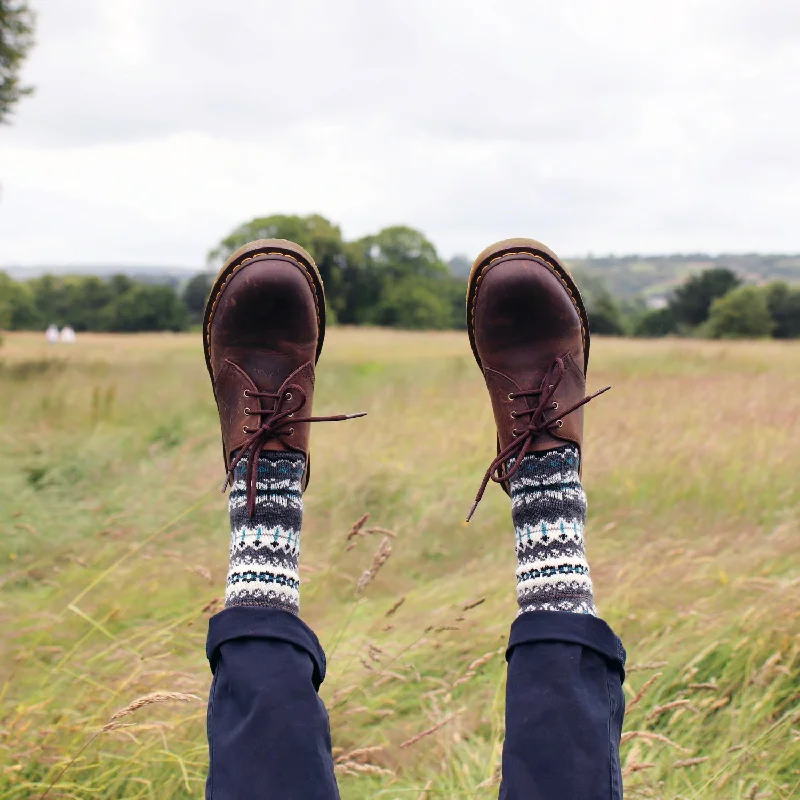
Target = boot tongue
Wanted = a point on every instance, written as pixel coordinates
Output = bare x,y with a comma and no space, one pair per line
268,371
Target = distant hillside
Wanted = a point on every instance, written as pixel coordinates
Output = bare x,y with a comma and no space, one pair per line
147,274
656,276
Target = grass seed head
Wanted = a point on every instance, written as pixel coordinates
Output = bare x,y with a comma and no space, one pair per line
378,560
149,700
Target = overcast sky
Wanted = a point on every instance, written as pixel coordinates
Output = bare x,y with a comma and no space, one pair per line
619,126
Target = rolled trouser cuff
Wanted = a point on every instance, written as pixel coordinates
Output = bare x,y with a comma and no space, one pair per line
560,626
256,622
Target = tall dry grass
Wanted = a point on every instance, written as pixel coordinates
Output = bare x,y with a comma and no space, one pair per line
113,540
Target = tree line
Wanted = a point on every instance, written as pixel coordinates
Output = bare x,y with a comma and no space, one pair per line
392,278
89,303
714,304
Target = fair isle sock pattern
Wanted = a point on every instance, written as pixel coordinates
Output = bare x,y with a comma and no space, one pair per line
265,548
548,507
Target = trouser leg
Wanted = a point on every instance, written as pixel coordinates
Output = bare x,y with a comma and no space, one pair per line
268,730
564,709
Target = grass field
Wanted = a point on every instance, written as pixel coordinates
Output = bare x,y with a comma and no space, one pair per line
113,545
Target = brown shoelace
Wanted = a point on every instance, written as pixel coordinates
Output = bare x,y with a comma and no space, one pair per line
520,445
275,426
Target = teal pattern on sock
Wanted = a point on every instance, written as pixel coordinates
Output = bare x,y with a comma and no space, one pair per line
548,507
265,547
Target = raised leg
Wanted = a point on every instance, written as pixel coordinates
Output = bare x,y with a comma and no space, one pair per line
268,730
564,708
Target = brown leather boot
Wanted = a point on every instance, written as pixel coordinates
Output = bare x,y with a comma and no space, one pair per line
262,334
530,335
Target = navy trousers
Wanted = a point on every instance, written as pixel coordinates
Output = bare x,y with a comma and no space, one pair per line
269,735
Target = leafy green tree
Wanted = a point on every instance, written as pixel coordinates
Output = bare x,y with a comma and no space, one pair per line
401,251
783,302
5,302
454,289
316,234
120,284
691,302
413,304
24,315
656,322
85,297
16,39
195,294
145,307
50,300
375,263
17,309
742,313
605,316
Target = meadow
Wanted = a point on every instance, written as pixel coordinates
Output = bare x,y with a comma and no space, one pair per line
113,546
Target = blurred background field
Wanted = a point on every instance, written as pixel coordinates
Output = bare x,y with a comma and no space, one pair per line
113,544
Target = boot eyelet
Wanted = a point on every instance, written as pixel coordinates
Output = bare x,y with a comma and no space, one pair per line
290,432
290,415
514,432
551,386
247,393
245,429
288,395
513,415
511,396
246,411
559,423
555,405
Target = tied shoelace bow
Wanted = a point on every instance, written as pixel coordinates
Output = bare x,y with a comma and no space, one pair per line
520,445
275,426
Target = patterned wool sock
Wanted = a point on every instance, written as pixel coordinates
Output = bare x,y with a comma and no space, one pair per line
548,507
265,548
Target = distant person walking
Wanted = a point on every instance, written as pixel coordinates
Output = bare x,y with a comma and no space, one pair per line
51,334
263,331
67,335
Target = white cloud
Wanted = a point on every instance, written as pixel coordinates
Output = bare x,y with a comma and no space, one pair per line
158,125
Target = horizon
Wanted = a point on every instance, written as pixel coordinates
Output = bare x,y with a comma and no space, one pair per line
111,265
